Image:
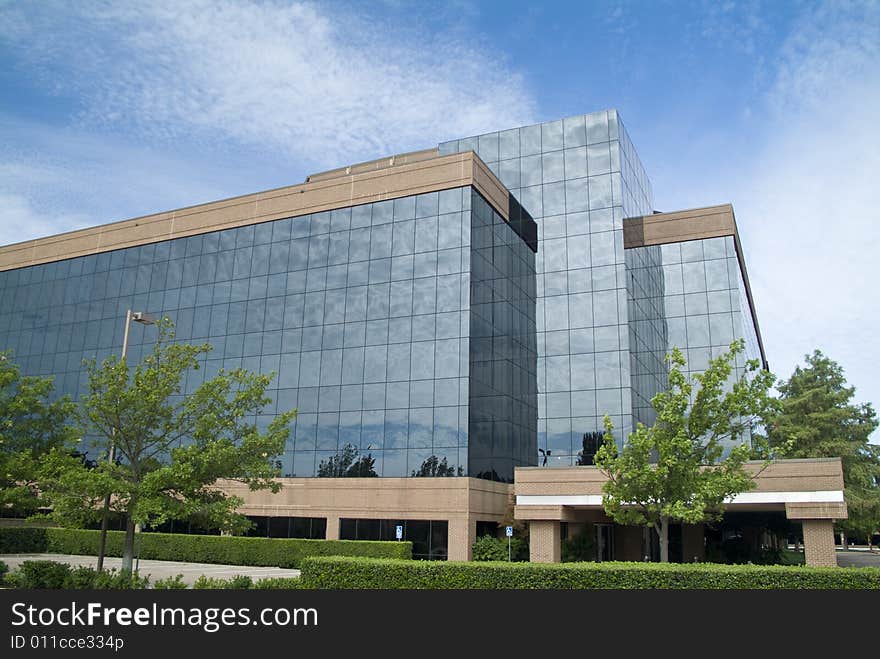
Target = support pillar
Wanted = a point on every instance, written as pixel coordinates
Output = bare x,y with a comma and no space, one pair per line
332,528
693,545
462,536
544,541
819,543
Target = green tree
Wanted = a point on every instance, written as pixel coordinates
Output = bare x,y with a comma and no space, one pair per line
434,467
172,449
591,443
348,464
819,419
31,425
692,459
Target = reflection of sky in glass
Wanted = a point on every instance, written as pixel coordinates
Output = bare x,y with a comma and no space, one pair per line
363,314
578,177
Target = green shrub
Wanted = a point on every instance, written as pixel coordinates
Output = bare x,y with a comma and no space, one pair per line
268,552
171,583
209,583
3,570
580,547
279,583
81,578
238,582
113,580
334,573
43,575
23,540
489,548
49,575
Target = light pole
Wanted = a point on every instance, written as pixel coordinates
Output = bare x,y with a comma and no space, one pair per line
143,319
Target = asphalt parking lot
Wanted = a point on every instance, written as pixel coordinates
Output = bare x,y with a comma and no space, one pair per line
855,558
158,569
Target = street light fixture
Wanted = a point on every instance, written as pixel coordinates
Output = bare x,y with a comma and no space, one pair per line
143,319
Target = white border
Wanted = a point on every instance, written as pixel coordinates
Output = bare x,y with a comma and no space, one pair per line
818,496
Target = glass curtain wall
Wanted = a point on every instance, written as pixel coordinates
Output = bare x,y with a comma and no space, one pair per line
362,313
578,178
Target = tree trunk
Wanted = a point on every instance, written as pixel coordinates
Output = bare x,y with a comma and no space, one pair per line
128,549
663,534
843,540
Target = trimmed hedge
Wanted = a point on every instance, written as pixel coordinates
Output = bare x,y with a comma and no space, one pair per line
229,550
23,540
50,575
333,573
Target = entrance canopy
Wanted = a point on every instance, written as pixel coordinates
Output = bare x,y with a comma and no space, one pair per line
810,490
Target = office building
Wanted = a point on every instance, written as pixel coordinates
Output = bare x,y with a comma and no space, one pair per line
440,319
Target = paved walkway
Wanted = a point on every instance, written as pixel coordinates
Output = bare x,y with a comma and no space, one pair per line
857,558
158,569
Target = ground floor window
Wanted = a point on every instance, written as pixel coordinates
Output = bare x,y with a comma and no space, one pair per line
314,528
488,528
429,537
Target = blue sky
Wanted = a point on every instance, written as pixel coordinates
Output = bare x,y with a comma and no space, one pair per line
113,110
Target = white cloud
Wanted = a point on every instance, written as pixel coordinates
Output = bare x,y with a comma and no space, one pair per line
55,179
312,83
18,219
808,200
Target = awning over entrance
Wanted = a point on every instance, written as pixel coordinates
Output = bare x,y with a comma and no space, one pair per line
809,490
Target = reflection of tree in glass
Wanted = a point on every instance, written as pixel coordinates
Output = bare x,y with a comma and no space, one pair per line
433,467
592,442
347,464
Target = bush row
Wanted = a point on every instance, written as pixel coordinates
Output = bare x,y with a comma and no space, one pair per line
332,573
49,575
269,552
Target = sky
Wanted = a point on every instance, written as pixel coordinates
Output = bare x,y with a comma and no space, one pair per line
110,110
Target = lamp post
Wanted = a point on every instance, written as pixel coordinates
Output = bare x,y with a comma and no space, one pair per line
143,319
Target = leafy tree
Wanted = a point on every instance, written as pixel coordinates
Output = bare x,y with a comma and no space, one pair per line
31,424
591,443
348,464
171,449
435,467
818,419
691,460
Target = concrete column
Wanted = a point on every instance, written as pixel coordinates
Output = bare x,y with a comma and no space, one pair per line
332,528
819,543
544,541
462,536
693,547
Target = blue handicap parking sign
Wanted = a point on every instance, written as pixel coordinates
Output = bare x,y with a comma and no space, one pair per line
398,532
509,531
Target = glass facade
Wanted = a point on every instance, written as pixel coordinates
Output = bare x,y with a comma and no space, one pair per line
606,315
363,313
421,336
578,178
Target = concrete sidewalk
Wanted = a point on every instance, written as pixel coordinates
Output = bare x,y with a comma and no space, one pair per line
158,569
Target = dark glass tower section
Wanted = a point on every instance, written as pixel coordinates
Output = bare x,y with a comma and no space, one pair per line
502,427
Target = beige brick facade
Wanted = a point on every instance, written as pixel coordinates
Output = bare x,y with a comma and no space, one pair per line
819,543
462,536
461,502
545,544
